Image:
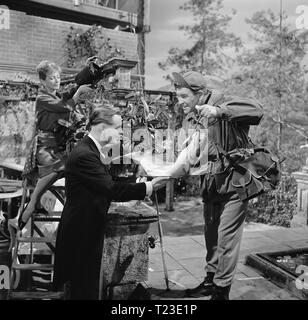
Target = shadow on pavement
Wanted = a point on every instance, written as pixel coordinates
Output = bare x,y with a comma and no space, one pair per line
157,294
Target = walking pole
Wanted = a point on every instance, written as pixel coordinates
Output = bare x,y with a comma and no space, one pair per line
160,233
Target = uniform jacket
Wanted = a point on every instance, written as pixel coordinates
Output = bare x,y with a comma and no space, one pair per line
229,130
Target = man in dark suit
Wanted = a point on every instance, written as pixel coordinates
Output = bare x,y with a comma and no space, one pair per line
90,190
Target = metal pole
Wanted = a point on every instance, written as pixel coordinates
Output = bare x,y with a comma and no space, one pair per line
279,80
160,233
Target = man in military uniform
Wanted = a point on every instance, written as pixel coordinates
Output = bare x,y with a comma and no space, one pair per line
229,119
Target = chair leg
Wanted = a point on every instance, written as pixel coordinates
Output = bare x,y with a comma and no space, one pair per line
52,262
31,243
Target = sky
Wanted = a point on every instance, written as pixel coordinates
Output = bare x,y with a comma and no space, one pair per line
166,17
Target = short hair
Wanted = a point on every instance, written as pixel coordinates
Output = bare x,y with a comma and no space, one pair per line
44,67
102,114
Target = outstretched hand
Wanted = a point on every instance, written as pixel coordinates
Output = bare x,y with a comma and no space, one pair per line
159,182
81,90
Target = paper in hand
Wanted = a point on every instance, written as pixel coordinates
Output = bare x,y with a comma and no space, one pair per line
152,166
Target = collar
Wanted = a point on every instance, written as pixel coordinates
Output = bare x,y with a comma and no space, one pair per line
192,116
44,91
97,144
205,98
216,98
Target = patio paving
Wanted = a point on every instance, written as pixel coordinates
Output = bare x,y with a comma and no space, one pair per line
185,264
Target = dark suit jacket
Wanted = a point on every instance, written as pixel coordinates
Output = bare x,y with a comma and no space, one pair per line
79,245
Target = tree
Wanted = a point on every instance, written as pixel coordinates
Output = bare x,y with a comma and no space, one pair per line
210,36
273,72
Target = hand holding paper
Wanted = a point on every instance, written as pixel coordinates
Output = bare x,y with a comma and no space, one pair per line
159,182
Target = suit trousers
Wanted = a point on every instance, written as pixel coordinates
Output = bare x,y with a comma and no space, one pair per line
224,222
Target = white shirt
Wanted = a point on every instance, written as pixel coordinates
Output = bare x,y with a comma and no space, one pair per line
148,184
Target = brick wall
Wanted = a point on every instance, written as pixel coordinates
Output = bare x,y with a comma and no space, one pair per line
31,39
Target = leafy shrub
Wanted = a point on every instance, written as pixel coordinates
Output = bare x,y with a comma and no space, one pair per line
187,186
82,44
184,188
276,207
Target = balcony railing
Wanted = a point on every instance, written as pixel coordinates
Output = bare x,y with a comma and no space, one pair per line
103,12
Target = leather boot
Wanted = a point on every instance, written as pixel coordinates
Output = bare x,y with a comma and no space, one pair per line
205,288
220,293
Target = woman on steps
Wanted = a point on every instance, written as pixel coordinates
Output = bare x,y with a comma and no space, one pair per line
48,147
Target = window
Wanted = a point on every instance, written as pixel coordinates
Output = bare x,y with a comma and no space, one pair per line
109,3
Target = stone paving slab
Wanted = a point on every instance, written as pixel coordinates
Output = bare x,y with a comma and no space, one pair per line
258,289
257,243
247,271
281,236
185,258
178,280
170,241
156,264
298,244
264,249
199,239
252,235
194,250
194,265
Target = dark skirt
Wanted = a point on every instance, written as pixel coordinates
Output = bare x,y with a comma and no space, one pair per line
44,157
50,157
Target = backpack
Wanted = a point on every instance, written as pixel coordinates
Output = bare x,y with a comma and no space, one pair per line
254,171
